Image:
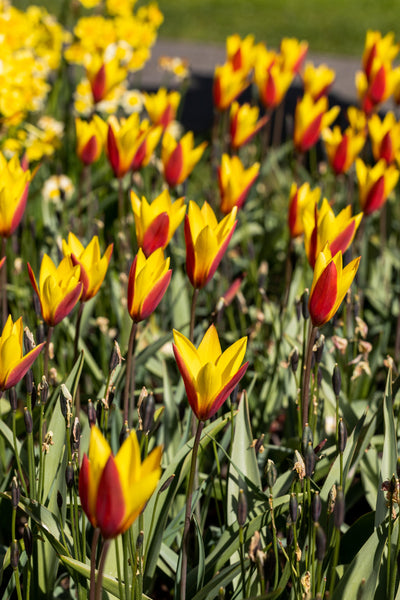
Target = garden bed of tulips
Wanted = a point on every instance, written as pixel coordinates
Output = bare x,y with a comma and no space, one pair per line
200,336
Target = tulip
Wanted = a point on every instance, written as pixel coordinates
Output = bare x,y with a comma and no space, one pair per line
114,490
300,198
130,143
375,184
379,86
14,184
209,374
323,227
156,222
243,123
179,157
13,365
342,148
378,46
317,80
271,78
206,241
90,139
162,106
59,288
229,83
330,285
293,53
310,119
93,266
147,284
241,53
235,182
385,137
104,76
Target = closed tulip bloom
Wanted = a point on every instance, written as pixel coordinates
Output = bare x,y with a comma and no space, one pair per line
243,123
130,143
310,119
342,148
317,80
147,284
114,489
156,222
90,139
300,198
241,53
271,78
206,241
323,227
330,285
385,137
379,86
179,157
162,106
59,288
375,184
14,184
228,84
104,76
13,365
234,182
209,374
293,53
93,265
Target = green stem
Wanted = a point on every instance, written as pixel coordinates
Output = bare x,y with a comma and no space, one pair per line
18,461
189,493
78,329
242,567
129,373
41,455
95,541
394,571
305,392
193,314
334,563
46,352
275,541
31,455
125,542
3,282
117,554
100,572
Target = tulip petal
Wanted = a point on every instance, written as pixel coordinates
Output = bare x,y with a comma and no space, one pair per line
156,235
226,391
19,370
67,304
188,380
324,295
174,166
84,487
154,297
110,503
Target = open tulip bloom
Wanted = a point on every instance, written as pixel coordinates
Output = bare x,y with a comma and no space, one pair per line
114,490
14,184
13,364
209,374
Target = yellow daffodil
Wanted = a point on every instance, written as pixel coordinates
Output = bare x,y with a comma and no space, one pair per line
206,241
156,222
179,157
385,137
375,184
90,138
209,374
235,181
229,83
14,183
342,148
59,288
330,285
162,106
114,489
317,80
147,284
243,124
310,119
323,227
93,266
300,199
13,365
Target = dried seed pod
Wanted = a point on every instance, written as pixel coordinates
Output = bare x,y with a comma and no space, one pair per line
339,510
139,540
336,380
70,476
116,357
29,381
304,304
221,593
167,483
15,493
242,508
293,507
320,542
294,359
316,506
319,348
91,412
271,473
28,339
147,409
43,390
65,401
307,437
75,435
28,421
309,460
342,436
14,554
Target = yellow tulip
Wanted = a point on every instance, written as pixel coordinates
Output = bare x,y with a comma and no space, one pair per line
235,182
90,139
179,157
375,184
14,183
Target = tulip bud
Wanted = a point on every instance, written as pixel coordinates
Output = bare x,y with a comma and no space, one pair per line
342,436
271,473
139,541
65,401
339,510
336,380
309,460
33,395
167,483
307,437
14,554
69,476
28,421
15,492
319,348
76,435
316,506
28,539
320,542
12,396
258,445
91,412
147,410
293,507
242,508
29,342
221,593
304,304
29,381
294,359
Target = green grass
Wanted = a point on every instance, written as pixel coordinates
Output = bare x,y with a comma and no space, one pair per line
333,27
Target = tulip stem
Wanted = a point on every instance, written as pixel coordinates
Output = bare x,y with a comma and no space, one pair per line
46,352
305,392
95,541
3,282
130,374
193,314
78,329
99,582
17,458
189,493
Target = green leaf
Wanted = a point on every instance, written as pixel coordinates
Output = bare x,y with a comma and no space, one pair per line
7,434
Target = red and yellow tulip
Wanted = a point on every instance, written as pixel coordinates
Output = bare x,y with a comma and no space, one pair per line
243,123
162,106
271,78
14,184
114,489
179,157
375,184
206,241
241,53
228,84
209,374
235,181
317,80
147,284
310,119
378,46
59,288
378,86
93,266
156,222
90,139
342,149
330,285
293,53
385,137
104,76
13,364
300,199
